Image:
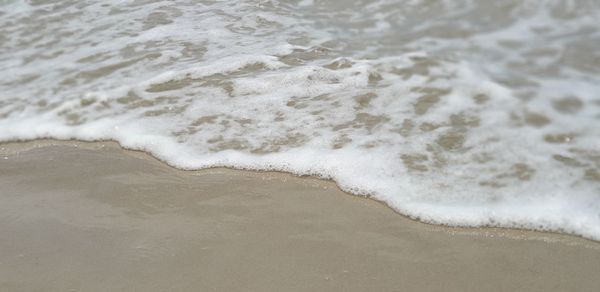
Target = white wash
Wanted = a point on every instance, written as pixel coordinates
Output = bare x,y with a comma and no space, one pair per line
472,113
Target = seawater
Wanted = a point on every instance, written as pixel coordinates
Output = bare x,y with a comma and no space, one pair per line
457,112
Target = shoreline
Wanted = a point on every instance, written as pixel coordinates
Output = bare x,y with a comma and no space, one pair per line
93,216
12,147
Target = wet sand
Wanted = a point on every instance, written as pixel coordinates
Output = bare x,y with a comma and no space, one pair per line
92,217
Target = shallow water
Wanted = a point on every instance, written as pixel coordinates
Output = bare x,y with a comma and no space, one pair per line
454,112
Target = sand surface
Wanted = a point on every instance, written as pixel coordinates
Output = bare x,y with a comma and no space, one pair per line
93,217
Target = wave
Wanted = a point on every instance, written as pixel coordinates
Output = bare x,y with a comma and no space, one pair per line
477,118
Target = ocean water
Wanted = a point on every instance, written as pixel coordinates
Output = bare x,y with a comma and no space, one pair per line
456,112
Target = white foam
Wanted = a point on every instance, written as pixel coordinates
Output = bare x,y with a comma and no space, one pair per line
479,124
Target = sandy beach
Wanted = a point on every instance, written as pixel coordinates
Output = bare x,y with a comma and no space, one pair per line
78,216
299,145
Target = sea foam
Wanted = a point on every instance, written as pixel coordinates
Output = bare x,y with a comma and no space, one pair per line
454,112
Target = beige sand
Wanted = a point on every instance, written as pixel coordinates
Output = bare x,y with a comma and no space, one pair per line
94,217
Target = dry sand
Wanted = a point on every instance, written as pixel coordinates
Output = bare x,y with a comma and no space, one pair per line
93,217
